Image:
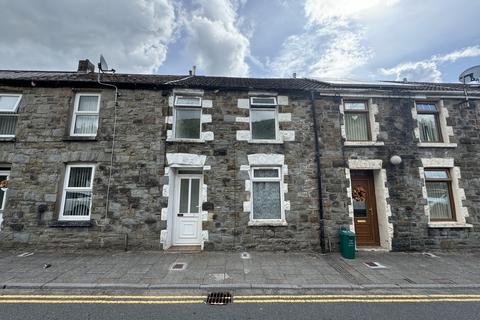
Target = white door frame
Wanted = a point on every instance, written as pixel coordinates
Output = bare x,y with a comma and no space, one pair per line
3,173
195,216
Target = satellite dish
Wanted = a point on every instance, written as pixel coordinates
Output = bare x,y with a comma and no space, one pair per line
470,75
103,64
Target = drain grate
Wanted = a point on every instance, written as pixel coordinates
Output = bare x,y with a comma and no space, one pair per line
219,298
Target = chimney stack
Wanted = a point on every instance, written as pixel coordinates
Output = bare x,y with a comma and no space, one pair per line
294,75
194,70
85,66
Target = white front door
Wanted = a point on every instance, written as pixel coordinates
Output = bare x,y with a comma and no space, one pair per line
4,175
187,216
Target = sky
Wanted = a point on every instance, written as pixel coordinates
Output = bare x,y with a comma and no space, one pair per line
421,40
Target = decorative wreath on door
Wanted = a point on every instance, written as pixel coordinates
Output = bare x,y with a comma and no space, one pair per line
359,193
4,185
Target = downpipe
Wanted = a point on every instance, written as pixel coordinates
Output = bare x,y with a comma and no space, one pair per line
319,176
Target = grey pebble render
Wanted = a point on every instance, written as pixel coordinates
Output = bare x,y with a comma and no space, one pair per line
42,147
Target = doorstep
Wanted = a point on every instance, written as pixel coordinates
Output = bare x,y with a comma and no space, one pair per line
185,249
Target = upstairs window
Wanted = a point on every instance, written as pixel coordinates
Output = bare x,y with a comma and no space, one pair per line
187,114
77,192
439,192
85,115
8,114
428,122
266,194
356,121
263,118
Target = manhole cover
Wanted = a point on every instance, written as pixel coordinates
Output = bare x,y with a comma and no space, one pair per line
219,298
178,266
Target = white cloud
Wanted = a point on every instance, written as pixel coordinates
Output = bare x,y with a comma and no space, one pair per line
215,41
428,70
320,11
53,34
333,43
331,51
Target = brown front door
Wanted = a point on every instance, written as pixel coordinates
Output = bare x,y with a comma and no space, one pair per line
364,208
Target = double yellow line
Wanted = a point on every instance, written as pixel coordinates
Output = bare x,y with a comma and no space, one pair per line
355,298
185,299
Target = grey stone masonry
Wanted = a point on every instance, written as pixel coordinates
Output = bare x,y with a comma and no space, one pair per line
139,194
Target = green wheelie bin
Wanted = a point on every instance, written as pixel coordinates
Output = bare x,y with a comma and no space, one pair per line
347,244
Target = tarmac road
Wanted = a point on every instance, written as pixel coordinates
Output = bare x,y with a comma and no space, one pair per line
278,307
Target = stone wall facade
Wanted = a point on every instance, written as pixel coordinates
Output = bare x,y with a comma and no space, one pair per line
140,193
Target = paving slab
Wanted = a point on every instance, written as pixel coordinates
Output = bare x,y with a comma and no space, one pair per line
266,270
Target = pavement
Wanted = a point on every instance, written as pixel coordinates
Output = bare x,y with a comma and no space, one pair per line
154,270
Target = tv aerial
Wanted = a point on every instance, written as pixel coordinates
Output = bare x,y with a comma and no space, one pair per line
103,66
470,75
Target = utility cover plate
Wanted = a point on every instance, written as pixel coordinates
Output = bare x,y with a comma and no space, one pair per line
375,265
178,266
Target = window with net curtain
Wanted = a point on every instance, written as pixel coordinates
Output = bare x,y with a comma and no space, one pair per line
188,114
428,122
439,193
356,121
8,114
77,193
263,118
85,115
266,194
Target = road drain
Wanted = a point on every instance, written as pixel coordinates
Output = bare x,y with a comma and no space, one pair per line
219,298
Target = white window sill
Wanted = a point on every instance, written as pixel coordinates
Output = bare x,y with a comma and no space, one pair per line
266,141
449,225
83,135
436,145
186,140
363,143
266,223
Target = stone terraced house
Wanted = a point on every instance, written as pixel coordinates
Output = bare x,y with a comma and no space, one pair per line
216,163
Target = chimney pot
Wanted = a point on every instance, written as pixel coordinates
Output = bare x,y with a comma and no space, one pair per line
85,66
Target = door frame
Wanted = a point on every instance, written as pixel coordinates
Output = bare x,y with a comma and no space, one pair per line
176,198
374,229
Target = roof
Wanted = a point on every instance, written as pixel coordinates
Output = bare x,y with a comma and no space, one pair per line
151,80
65,78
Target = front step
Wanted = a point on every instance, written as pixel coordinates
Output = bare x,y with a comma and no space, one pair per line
185,249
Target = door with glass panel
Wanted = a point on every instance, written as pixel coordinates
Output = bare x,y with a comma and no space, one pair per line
188,213
4,175
364,208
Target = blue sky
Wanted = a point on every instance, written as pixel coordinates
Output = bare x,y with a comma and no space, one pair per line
427,40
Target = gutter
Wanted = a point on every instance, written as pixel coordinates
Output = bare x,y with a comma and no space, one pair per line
319,176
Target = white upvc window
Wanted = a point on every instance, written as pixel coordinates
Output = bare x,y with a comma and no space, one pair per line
8,114
77,192
357,121
267,195
263,119
85,115
187,123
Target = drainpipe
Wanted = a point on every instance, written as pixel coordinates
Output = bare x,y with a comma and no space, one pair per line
319,177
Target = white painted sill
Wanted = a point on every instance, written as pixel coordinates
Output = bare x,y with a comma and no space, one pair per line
449,225
267,223
187,140
436,145
364,143
266,141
